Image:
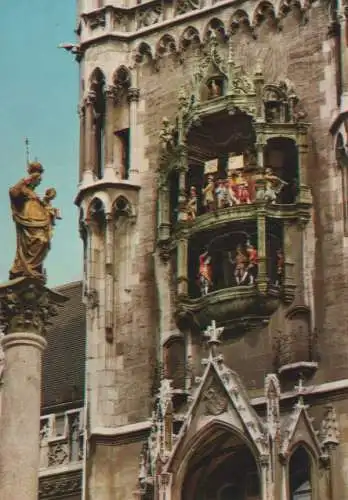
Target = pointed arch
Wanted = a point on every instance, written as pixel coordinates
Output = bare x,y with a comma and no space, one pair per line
122,206
301,472
217,438
122,77
143,53
190,36
96,79
239,20
166,45
217,26
263,11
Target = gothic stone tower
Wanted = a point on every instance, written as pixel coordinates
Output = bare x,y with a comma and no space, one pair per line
213,210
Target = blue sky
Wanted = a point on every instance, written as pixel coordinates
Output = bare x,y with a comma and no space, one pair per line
39,97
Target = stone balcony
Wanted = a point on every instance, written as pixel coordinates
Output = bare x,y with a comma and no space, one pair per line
61,454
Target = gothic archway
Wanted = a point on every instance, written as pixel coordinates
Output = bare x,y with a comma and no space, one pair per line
222,468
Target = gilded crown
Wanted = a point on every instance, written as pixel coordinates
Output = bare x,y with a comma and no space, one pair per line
35,167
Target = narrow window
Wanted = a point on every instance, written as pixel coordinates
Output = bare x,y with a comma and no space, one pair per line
123,136
342,162
300,475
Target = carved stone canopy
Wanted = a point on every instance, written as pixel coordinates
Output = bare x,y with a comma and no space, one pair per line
27,305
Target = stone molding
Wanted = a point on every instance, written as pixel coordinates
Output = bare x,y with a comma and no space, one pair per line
121,435
130,23
60,485
23,338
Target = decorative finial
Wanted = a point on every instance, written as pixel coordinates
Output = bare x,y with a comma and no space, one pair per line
27,151
212,333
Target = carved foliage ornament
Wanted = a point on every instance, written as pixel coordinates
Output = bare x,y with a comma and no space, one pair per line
148,16
27,305
183,6
62,484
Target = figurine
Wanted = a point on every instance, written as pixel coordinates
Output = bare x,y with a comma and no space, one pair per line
280,266
191,207
242,188
209,195
273,185
205,273
221,194
240,269
252,262
33,225
232,189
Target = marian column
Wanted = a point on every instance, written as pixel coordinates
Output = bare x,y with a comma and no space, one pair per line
26,306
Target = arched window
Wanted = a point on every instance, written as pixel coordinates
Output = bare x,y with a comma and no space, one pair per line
300,475
342,162
98,87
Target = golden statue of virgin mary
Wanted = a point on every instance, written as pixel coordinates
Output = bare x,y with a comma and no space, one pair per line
34,218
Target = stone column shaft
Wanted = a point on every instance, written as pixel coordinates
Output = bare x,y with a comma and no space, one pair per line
133,98
20,420
26,306
109,170
90,138
262,277
82,116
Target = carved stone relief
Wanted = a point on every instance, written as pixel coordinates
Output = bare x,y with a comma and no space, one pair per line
215,401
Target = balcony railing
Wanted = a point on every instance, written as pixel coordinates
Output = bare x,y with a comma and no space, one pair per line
61,439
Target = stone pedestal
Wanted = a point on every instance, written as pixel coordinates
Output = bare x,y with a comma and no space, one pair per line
26,306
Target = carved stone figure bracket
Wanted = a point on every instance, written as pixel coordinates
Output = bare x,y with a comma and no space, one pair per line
27,305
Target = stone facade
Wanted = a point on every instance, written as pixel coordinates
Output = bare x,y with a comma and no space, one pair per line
178,406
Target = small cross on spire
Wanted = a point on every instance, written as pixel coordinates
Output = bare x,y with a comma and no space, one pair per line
212,333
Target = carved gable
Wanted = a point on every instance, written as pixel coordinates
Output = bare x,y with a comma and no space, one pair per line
299,428
220,398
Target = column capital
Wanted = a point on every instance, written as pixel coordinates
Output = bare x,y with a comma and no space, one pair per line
133,94
27,306
90,98
110,92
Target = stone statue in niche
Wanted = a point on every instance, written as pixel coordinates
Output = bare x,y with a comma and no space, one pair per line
205,273
273,185
208,192
167,135
191,207
215,89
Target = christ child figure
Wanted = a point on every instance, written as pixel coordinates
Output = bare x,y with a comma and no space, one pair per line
209,194
53,212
